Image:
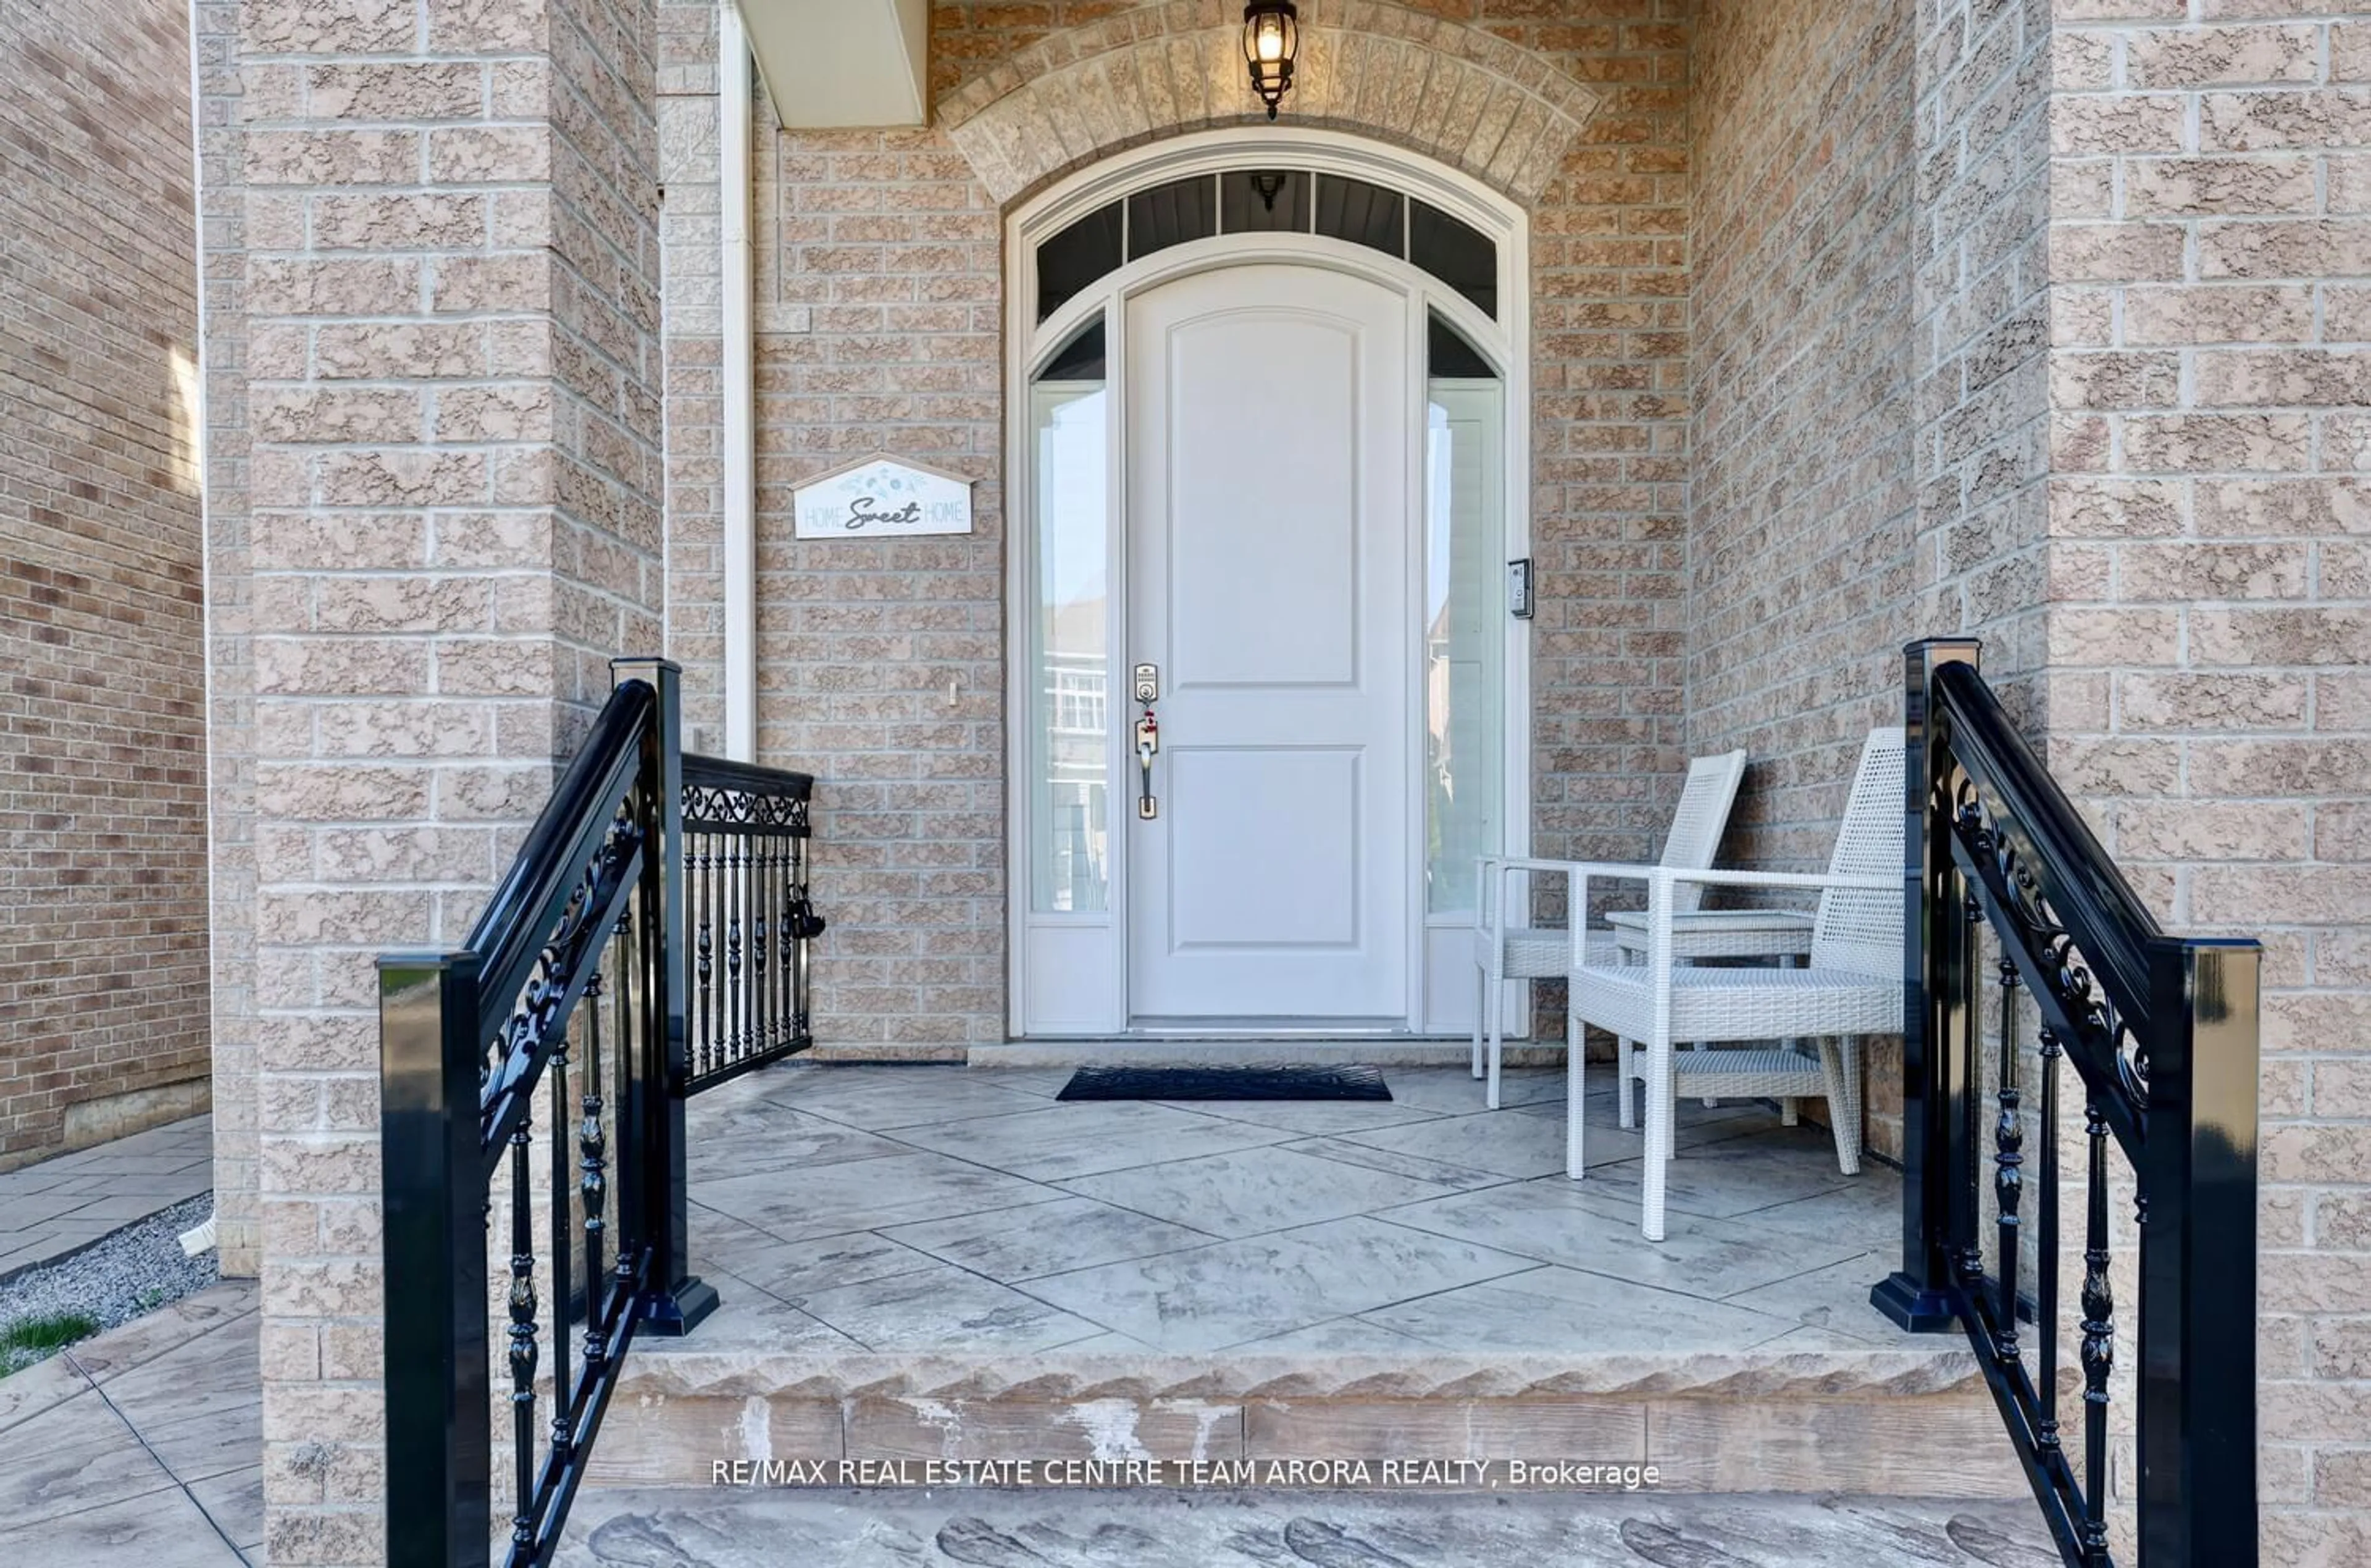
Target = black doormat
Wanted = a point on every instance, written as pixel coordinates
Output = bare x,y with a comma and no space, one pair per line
1226,1083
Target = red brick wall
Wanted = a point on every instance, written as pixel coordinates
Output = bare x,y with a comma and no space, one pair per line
103,681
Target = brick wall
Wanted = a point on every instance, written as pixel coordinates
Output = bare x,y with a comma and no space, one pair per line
103,998
1980,265
2211,257
881,309
1802,558
880,661
450,296
229,653
1871,410
1609,415
1802,507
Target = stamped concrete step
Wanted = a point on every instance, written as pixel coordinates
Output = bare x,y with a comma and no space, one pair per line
1836,1417
1023,1528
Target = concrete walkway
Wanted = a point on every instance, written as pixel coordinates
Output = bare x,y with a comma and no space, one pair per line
56,1209
143,1446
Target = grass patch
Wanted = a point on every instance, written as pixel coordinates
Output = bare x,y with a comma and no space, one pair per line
35,1338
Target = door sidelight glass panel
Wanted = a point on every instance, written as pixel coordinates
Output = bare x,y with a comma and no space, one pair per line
1464,618
1071,717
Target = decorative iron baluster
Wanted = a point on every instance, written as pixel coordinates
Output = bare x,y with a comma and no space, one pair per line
793,944
592,1147
779,900
2008,1144
733,899
563,1246
630,1225
760,949
523,1347
2045,1430
782,905
2098,1345
1971,1093
805,935
703,893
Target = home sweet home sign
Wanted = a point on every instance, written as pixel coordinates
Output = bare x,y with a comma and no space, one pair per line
882,498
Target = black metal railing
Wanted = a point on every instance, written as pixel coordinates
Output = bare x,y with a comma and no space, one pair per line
571,998
2161,1036
745,872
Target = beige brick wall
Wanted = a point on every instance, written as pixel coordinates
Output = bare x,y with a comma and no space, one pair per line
1979,268
229,653
1802,504
1870,411
450,289
880,661
103,992
881,309
2211,613
1803,518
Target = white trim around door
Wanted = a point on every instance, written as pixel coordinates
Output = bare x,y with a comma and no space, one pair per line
1071,574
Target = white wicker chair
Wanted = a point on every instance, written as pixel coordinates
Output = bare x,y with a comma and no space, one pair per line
1504,952
1851,986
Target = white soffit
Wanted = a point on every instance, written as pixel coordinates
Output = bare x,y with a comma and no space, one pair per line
832,64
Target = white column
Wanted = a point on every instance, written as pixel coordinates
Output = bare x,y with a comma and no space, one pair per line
740,476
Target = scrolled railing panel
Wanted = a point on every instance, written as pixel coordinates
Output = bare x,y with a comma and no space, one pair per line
2162,1034
2056,972
2047,852
751,917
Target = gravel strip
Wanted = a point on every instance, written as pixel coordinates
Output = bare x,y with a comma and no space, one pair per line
120,1278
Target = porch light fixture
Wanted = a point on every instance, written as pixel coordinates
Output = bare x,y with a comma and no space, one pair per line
1271,37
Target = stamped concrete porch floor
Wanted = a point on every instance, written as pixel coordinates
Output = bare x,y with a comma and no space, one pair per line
895,1211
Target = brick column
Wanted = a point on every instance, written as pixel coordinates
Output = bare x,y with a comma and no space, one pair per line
450,314
2211,293
230,668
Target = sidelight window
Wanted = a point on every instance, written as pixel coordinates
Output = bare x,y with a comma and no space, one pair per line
1070,830
1465,616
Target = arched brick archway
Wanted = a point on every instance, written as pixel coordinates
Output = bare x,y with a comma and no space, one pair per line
1457,94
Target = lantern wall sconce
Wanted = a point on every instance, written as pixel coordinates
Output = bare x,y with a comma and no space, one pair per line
1271,38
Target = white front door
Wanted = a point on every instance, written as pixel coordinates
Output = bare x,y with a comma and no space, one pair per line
1269,414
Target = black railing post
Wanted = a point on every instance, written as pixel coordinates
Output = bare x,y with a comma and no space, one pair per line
678,1300
2198,1259
1934,945
432,1178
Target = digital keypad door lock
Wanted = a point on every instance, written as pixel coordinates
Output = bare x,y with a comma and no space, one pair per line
1148,684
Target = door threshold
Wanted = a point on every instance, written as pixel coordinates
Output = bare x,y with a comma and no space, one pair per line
1405,1051
1270,1029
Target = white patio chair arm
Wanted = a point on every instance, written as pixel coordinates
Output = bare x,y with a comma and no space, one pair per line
1660,880
1494,870
1814,880
1586,868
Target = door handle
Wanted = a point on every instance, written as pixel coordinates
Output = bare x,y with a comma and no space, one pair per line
1148,746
